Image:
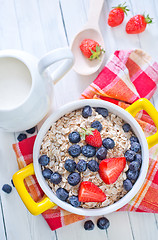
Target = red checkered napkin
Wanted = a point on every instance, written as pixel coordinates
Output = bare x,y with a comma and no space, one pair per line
127,76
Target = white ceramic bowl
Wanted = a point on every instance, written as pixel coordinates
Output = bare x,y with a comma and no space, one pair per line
113,109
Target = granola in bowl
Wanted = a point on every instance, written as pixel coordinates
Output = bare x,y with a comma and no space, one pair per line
90,158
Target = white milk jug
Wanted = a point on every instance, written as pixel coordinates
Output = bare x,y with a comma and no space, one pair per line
25,96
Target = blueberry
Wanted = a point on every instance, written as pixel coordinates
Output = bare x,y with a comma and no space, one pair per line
134,166
55,178
103,111
132,175
74,179
135,146
7,188
74,150
47,173
74,201
126,127
31,130
21,137
87,111
101,153
43,160
108,143
81,166
70,165
97,125
88,151
74,137
103,223
89,225
93,165
138,157
129,155
127,184
134,139
12,182
62,194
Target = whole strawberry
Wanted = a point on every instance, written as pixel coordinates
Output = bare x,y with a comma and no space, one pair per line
91,49
137,24
92,137
117,14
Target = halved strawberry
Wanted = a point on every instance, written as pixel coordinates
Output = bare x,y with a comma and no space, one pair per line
111,168
92,137
89,192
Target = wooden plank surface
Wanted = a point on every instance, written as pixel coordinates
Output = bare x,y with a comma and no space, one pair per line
40,26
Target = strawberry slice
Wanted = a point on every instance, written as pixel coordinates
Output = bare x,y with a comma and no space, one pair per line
92,137
89,192
111,168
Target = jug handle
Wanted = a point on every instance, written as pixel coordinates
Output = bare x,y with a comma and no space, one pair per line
56,56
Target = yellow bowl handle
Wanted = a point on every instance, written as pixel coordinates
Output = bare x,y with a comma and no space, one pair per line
35,208
144,104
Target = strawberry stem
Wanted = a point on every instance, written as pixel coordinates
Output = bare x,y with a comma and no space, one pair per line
123,7
89,131
97,53
148,19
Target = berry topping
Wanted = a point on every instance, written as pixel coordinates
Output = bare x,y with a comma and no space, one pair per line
91,49
74,137
92,137
47,173
129,155
43,160
88,151
62,194
127,184
7,188
55,178
103,111
93,165
87,111
74,179
103,223
138,157
108,143
70,165
126,127
81,166
111,168
101,153
89,192
74,201
97,125
135,146
132,175
134,139
89,225
21,137
134,166
74,150
31,130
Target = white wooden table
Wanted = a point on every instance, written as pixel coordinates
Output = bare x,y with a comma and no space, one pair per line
38,26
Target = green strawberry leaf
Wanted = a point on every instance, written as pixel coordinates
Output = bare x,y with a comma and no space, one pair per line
97,53
123,7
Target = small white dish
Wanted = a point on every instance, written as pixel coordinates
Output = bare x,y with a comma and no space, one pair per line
91,30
